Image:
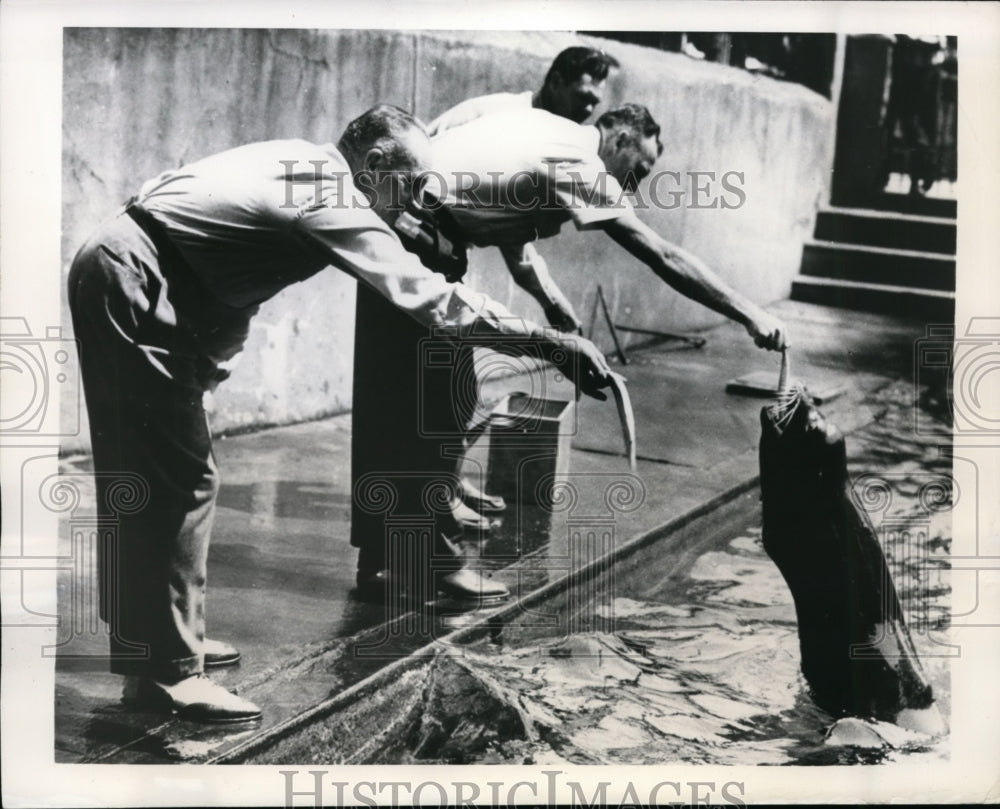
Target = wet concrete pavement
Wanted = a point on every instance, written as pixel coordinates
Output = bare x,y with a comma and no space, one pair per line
281,569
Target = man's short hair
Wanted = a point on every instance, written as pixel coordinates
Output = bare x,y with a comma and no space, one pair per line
381,127
634,118
573,62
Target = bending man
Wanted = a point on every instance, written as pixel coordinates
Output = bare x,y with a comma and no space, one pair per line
162,297
545,171
507,191
573,88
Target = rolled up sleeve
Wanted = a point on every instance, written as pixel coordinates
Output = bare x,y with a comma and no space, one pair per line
588,192
356,241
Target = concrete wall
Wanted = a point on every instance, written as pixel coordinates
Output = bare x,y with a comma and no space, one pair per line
139,101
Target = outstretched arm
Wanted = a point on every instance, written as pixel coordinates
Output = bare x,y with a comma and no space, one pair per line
357,241
531,273
691,277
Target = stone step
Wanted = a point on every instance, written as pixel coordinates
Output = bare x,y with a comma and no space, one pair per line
910,204
878,265
887,229
933,304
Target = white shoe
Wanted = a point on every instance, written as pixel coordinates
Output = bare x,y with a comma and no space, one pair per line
467,519
470,585
196,698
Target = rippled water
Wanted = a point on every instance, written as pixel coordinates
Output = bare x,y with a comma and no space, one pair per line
709,671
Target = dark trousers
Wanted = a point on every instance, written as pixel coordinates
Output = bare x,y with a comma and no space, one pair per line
414,393
149,339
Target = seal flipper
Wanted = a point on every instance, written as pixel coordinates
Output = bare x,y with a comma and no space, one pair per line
854,732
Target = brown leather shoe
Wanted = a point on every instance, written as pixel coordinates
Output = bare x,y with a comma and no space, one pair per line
219,654
195,698
469,585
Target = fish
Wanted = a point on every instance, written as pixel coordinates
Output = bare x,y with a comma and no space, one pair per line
625,415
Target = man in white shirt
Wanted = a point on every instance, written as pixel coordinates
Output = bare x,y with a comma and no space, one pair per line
573,88
544,171
507,190
161,298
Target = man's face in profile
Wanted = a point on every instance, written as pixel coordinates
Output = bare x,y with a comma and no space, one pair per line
630,160
578,99
395,181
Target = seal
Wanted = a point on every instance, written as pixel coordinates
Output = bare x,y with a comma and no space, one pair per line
857,655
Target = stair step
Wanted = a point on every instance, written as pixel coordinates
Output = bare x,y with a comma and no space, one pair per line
878,265
933,304
906,203
887,229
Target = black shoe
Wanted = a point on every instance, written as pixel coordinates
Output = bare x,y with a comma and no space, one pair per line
378,586
462,585
195,698
373,580
219,654
480,501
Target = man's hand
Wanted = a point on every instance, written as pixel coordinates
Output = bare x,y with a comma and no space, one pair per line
531,273
584,364
561,316
689,275
767,331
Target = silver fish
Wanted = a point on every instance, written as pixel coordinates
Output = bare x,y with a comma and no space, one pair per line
625,415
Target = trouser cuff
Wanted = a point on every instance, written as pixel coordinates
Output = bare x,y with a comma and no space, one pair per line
164,671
